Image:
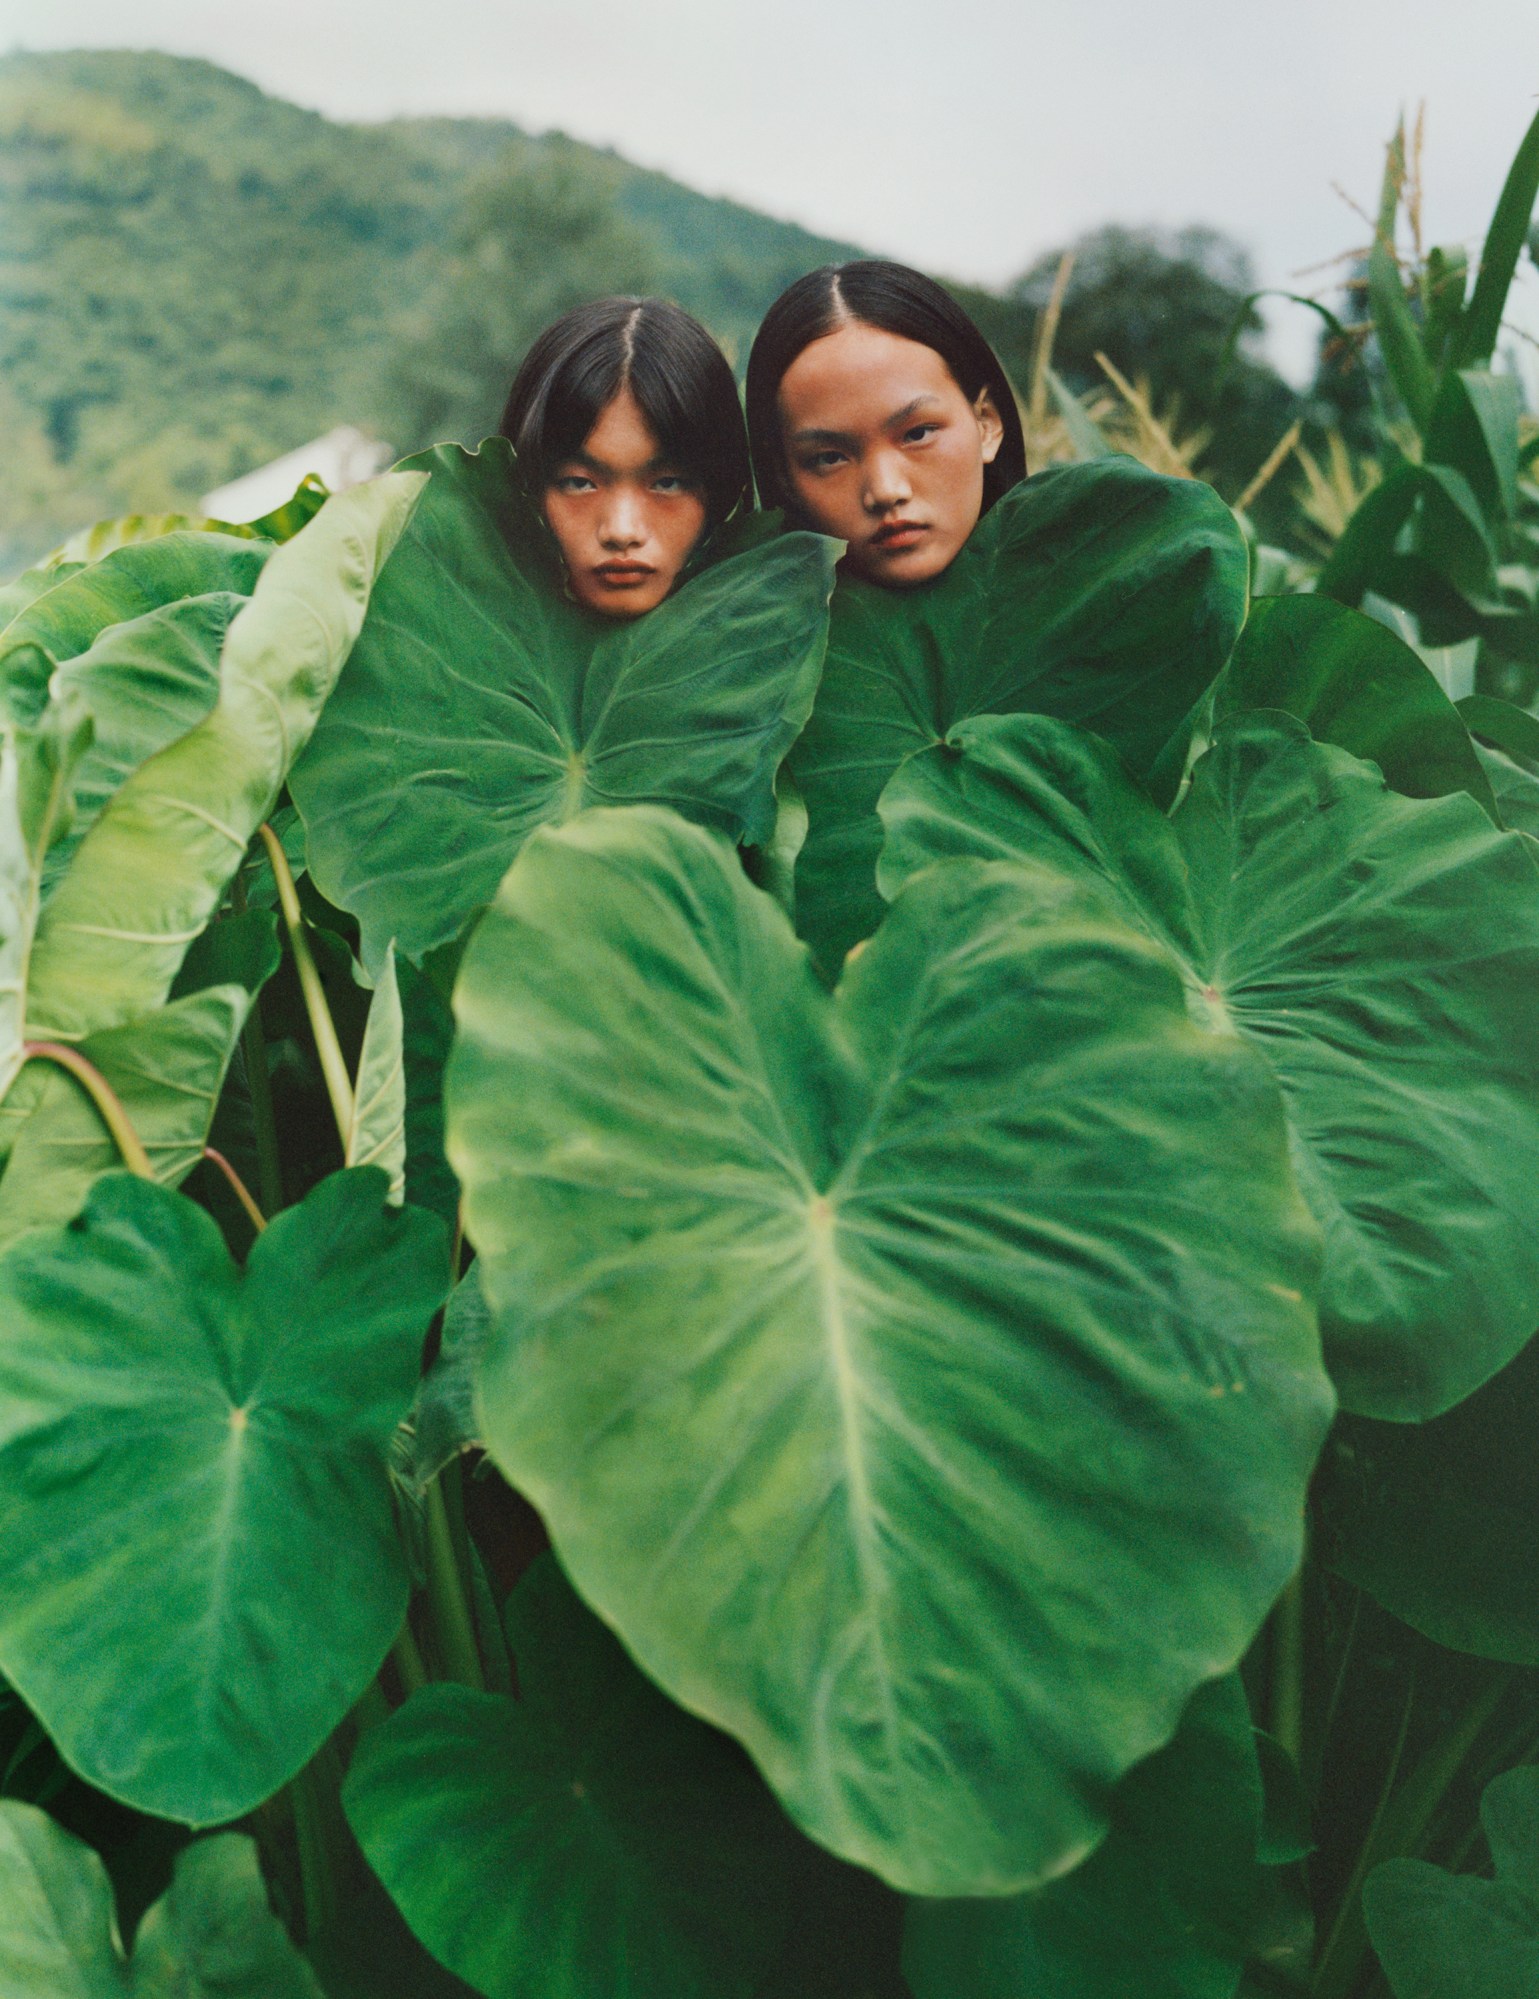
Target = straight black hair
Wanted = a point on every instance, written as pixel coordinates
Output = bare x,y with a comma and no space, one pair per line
671,365
873,292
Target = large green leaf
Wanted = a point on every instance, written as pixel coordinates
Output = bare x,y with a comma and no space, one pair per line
480,703
167,1070
586,1838
1100,592
37,770
1440,1521
1379,951
196,1525
211,1935
1457,1936
151,870
77,604
922,1380
1161,1911
144,683
1353,683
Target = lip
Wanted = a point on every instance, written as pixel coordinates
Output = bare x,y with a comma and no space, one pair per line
623,575
898,535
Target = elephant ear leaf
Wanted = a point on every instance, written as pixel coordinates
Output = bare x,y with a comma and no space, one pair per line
585,1838
1161,1909
883,1363
151,870
480,702
1377,950
212,1935
1458,1936
1101,593
246,1415
1353,683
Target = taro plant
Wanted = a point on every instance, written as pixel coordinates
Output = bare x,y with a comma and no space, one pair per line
824,1298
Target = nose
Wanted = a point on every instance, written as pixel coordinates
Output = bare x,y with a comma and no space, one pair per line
621,525
887,483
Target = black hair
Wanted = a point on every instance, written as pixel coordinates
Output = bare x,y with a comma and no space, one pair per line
873,292
671,365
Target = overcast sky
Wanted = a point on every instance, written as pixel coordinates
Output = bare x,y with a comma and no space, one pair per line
965,135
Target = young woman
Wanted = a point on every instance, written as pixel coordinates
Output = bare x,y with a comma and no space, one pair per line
878,412
630,441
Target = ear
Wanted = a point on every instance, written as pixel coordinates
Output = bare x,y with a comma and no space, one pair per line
991,429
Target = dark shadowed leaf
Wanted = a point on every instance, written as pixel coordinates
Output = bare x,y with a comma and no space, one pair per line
1160,1911
586,1838
1458,1936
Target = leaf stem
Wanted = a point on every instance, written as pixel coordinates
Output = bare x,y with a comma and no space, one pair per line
1287,1690
264,1125
339,1085
238,1186
108,1103
454,1627
407,1660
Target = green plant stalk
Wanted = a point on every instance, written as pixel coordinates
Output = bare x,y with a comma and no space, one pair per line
108,1103
264,1124
321,1837
453,1626
1286,1706
339,1086
1396,1830
406,1657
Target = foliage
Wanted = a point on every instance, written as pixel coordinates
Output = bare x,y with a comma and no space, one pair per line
859,1510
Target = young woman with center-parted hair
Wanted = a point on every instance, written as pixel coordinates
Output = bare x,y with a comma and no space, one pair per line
629,436
878,412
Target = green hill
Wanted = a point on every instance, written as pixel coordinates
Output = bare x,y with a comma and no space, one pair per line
195,276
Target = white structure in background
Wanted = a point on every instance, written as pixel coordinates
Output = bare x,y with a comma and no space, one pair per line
341,458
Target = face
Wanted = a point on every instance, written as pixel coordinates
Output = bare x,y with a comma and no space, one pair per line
884,450
625,518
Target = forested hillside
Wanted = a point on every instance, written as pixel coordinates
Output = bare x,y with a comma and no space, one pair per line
195,277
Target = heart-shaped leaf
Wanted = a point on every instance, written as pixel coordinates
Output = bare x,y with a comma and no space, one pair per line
1456,1936
1440,1521
585,1838
923,1382
212,1934
1102,593
1353,683
1379,951
190,1661
480,703
1161,1910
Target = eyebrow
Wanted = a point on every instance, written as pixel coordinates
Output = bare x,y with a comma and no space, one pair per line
660,463
910,408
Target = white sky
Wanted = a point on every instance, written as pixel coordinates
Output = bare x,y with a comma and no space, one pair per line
965,135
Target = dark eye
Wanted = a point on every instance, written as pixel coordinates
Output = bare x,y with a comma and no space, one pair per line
573,482
672,482
820,461
918,432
